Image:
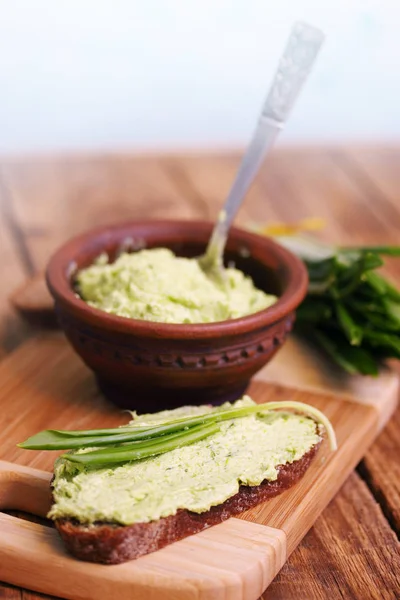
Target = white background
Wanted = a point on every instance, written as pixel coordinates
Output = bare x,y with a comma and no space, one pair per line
156,74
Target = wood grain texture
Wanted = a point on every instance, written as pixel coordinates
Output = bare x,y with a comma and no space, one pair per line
381,470
377,173
9,592
309,368
252,555
182,571
356,191
32,300
234,560
104,190
69,398
312,370
296,183
13,273
359,545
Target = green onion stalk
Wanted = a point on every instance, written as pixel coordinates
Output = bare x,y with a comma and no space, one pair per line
135,442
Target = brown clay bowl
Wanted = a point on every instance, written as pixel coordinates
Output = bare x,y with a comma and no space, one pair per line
149,366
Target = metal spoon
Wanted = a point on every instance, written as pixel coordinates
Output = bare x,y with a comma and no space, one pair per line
294,66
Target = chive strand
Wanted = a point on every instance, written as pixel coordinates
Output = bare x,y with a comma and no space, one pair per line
53,440
131,453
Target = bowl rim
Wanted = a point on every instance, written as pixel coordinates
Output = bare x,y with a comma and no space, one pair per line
59,286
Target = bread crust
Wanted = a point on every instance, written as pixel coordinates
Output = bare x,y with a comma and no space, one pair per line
111,543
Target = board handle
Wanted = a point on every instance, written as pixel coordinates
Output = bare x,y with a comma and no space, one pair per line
33,556
23,488
26,549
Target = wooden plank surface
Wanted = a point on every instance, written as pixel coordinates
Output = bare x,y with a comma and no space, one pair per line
357,192
15,268
356,545
242,555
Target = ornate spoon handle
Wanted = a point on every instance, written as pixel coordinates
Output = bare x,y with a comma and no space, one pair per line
294,66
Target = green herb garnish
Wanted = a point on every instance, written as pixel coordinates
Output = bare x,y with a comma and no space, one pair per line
134,442
351,311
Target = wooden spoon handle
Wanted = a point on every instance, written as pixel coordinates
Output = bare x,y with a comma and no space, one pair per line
34,303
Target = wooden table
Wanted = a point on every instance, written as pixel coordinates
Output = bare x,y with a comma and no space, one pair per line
352,551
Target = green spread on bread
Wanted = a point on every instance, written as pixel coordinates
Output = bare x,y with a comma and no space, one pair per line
246,448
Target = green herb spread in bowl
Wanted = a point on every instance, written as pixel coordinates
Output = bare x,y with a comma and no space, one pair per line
156,285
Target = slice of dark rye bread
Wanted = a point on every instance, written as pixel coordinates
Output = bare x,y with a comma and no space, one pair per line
111,543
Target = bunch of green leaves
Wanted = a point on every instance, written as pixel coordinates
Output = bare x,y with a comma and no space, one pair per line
350,310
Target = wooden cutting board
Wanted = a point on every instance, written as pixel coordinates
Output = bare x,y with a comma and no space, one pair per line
44,385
